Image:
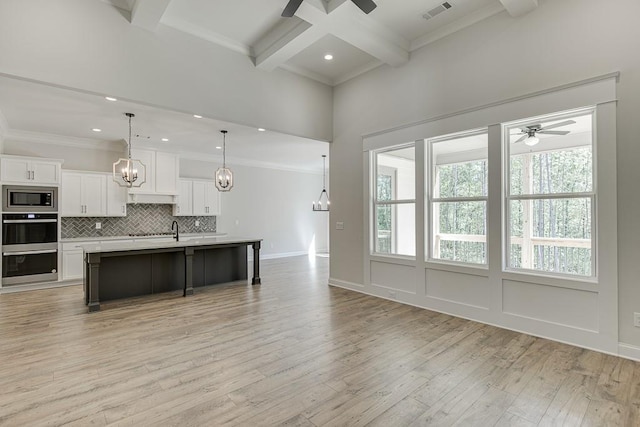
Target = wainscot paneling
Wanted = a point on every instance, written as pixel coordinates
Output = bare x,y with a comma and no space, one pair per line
562,306
457,287
394,276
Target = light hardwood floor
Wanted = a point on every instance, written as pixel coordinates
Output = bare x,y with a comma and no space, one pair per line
293,351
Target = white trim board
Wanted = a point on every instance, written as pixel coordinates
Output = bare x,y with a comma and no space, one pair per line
592,91
583,314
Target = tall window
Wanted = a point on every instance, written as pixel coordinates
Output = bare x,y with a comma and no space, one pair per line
550,194
457,200
394,201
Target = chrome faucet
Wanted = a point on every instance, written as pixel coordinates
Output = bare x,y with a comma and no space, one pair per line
177,233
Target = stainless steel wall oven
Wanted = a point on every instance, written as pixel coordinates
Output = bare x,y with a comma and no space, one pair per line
29,234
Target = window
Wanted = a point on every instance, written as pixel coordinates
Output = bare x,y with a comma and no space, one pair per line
457,200
550,194
394,202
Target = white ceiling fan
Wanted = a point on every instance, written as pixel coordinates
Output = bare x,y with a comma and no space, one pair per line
365,5
529,132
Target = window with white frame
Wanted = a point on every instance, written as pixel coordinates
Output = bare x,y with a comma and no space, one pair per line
550,194
394,201
457,197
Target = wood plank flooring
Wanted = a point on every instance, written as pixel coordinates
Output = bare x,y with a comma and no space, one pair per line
294,352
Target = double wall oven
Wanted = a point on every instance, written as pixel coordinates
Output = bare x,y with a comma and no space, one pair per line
29,234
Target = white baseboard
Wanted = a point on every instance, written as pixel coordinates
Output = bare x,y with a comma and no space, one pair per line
347,285
629,351
38,286
278,255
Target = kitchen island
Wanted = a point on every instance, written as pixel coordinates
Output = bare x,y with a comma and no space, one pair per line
122,270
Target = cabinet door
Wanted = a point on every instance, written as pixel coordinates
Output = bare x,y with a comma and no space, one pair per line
45,172
166,173
148,160
116,198
199,198
213,199
185,198
72,264
71,195
15,170
93,194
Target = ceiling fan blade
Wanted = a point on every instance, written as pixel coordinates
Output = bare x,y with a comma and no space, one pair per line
291,8
521,139
365,5
555,132
557,125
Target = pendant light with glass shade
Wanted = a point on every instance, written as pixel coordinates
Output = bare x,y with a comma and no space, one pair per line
224,176
129,172
324,196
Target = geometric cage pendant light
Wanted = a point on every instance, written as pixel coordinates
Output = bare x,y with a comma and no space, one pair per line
323,203
224,176
129,172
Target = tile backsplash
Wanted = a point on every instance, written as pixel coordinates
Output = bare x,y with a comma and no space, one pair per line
141,218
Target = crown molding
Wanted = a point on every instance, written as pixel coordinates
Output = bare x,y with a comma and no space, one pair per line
358,71
307,73
202,33
66,141
465,21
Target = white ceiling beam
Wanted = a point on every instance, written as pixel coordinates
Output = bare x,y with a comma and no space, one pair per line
148,13
348,23
345,21
284,42
519,7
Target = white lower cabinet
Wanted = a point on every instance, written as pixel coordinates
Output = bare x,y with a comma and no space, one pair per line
72,264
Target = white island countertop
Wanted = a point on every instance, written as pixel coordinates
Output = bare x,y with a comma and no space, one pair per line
107,247
140,237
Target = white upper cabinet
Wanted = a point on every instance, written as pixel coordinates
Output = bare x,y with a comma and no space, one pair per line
184,206
197,197
83,194
162,170
116,198
166,173
30,170
206,198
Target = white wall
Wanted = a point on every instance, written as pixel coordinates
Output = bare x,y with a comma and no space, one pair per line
272,204
89,45
75,157
570,40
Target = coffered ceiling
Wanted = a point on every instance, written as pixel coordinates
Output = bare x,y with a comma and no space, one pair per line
358,42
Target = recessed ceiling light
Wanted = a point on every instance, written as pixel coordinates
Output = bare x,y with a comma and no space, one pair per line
96,130
197,116
218,148
110,98
261,129
328,57
165,139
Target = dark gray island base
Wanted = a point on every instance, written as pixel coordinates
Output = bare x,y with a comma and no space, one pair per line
116,271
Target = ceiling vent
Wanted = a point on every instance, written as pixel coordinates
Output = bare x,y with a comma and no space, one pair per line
437,10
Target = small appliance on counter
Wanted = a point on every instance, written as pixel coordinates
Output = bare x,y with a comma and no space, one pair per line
29,234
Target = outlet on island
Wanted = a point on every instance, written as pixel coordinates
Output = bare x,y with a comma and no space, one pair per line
98,226
197,223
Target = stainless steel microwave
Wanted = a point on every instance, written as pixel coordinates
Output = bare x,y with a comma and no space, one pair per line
29,199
